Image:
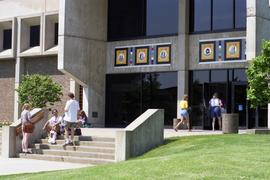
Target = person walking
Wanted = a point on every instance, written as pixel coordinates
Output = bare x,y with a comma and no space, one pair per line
215,110
25,120
71,113
184,116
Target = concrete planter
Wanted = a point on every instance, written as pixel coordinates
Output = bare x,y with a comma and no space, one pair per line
230,123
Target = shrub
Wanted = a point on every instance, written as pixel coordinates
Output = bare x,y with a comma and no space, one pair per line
39,91
257,74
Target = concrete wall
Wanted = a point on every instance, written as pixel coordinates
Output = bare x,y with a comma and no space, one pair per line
143,134
194,51
175,64
258,24
26,7
82,43
7,78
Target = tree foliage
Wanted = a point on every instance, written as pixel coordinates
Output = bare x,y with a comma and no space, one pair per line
257,73
39,91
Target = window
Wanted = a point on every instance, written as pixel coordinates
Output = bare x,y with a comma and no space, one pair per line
141,18
217,15
129,95
161,17
7,34
240,13
34,36
202,15
222,14
56,34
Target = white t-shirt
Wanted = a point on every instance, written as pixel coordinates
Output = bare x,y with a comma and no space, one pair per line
72,107
54,120
215,102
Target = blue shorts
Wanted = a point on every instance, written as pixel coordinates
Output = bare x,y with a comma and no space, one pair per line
184,113
215,112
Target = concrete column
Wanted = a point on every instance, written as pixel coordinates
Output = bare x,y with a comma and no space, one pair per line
74,88
183,51
19,71
86,102
182,81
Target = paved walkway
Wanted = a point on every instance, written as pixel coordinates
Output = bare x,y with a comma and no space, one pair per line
17,165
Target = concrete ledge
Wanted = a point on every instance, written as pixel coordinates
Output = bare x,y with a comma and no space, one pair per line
143,134
258,131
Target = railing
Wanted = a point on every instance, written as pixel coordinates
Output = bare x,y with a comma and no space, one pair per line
35,118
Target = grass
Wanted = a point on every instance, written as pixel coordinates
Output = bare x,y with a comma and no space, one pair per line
197,157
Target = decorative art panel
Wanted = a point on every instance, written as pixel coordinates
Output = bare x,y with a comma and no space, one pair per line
141,56
121,56
207,51
233,50
163,54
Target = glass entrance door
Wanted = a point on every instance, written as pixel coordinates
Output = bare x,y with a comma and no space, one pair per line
240,105
209,89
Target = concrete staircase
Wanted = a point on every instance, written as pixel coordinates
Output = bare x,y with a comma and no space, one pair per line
87,150
0,141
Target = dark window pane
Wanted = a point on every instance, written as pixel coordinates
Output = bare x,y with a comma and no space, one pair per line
7,34
201,13
200,77
219,76
129,95
240,13
239,75
123,99
222,14
126,19
162,17
34,36
56,34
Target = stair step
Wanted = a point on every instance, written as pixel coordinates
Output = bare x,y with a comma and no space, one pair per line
89,138
82,160
74,148
74,153
84,143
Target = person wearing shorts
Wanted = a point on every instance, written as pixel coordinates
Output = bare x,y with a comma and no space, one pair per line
215,110
183,113
71,113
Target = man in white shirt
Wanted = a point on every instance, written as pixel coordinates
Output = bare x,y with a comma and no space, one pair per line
71,114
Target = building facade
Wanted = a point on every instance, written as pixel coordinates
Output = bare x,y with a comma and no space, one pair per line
129,56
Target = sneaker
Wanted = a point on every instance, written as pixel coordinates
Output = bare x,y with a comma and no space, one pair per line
66,142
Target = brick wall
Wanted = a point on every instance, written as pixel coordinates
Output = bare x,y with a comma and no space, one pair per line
7,81
48,66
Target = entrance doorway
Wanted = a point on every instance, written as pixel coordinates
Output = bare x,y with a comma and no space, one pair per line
208,90
231,85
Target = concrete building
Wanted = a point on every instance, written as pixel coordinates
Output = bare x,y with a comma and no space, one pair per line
128,56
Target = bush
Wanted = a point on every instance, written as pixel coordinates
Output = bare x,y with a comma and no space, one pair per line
257,73
39,91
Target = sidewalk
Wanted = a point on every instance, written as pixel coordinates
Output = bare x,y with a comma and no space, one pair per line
19,165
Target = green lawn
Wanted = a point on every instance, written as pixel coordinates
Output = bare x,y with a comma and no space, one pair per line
197,157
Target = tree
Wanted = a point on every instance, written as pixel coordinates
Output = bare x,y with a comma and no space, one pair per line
39,91
258,73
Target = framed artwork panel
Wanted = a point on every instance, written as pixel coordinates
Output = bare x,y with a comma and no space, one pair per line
207,51
121,57
141,57
233,50
163,54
